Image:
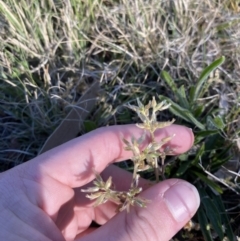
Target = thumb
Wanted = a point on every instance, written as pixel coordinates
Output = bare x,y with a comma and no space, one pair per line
173,203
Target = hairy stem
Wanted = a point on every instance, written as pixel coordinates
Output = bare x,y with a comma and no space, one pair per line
163,168
156,170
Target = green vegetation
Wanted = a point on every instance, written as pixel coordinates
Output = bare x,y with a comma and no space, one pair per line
51,51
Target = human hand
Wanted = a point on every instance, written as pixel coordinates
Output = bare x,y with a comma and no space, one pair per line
41,199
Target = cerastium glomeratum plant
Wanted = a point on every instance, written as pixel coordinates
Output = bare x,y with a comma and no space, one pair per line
149,157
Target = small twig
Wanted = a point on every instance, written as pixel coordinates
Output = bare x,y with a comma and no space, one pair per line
217,179
40,66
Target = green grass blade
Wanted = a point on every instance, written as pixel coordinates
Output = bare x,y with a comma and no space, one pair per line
204,75
182,98
168,79
89,126
199,154
180,92
200,135
213,215
205,227
183,168
221,158
187,164
225,220
183,113
208,181
218,122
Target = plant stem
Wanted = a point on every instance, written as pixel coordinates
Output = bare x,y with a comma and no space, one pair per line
163,167
134,174
156,170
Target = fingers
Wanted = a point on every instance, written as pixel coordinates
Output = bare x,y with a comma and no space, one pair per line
122,179
103,213
173,203
72,163
24,221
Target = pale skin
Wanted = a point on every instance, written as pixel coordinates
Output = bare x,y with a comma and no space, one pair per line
41,199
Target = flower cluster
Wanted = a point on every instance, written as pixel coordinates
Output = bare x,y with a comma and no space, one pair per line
143,157
104,191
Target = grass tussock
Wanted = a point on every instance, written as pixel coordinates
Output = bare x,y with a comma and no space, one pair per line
52,50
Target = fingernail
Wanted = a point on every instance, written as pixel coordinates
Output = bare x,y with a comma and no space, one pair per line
192,135
182,200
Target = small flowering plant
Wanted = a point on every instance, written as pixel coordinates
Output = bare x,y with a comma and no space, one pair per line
150,157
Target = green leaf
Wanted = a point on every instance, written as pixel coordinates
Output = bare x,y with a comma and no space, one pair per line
183,157
199,154
221,158
186,164
206,133
180,92
225,220
191,94
205,226
208,181
199,135
198,110
203,77
213,215
89,126
218,122
169,81
182,113
214,142
182,98
183,168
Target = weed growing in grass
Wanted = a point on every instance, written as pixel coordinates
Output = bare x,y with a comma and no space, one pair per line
144,158
199,166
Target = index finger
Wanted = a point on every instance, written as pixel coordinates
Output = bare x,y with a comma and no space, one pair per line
72,163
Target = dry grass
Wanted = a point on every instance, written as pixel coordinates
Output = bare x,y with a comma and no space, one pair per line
50,49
